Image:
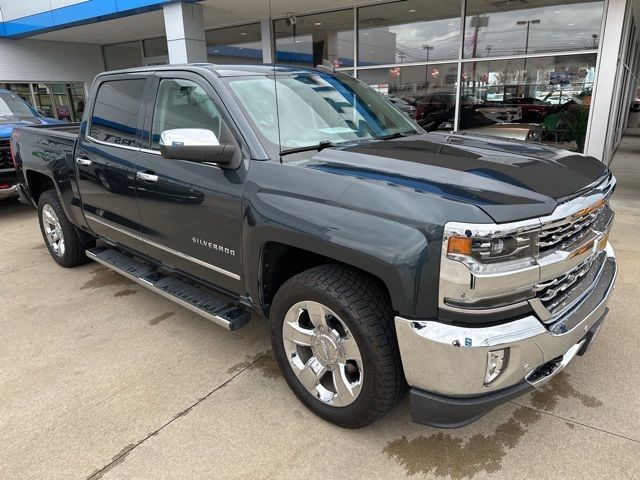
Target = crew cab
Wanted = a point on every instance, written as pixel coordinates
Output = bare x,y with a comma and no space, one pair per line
471,269
14,111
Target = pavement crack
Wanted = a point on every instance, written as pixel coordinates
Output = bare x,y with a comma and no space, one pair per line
576,422
121,457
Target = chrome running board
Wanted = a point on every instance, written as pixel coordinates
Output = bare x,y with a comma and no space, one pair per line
208,304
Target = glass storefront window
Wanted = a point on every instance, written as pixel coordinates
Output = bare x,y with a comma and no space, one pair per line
122,55
543,99
409,31
155,47
22,89
535,26
241,44
419,91
314,38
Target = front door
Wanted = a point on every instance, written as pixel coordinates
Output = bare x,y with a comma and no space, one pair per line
105,158
191,213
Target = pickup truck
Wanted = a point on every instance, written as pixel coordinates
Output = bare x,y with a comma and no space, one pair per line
470,269
14,112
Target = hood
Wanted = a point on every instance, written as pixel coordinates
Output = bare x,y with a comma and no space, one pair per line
7,124
508,180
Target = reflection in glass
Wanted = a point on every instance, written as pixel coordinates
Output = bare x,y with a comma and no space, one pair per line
409,31
535,26
314,38
543,99
239,44
122,55
419,91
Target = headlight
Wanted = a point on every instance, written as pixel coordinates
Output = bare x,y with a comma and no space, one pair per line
493,249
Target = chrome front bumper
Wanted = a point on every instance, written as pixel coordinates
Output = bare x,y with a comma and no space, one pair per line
451,360
10,192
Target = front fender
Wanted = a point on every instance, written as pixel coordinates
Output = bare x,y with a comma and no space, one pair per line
394,252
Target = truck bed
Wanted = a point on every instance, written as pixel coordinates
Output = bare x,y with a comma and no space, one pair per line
67,130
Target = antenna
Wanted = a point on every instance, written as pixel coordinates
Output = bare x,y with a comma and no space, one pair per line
275,80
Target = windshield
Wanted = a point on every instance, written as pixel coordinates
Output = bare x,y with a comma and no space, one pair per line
315,108
11,105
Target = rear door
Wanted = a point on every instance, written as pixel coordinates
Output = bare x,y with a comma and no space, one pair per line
191,213
106,157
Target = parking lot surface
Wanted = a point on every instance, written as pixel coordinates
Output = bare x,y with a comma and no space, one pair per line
100,378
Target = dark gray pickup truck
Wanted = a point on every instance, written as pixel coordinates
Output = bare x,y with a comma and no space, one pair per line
471,269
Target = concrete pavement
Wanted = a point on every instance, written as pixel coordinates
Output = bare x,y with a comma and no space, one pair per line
100,378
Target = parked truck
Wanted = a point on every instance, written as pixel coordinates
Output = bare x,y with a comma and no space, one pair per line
471,269
14,112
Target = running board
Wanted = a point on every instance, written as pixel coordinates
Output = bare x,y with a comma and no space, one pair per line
209,305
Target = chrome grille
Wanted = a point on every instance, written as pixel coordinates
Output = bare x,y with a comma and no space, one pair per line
570,230
5,155
559,294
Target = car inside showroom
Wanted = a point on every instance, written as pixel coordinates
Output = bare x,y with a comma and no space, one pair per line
333,238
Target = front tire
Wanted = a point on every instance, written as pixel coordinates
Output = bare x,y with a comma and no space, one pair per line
334,340
66,245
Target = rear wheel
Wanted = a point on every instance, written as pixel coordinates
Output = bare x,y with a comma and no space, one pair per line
333,335
66,245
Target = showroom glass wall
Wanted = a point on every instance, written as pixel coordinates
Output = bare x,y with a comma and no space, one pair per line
64,101
525,69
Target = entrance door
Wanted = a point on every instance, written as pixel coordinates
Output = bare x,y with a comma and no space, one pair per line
191,213
106,157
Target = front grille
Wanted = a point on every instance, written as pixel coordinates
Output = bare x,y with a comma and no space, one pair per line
561,293
571,230
5,155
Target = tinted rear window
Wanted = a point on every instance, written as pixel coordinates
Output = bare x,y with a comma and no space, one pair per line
115,113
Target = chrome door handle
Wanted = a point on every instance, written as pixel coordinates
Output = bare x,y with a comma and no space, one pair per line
83,161
149,177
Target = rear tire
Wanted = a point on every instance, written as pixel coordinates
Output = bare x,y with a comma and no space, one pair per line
65,243
343,362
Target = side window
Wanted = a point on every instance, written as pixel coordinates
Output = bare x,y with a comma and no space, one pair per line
115,113
185,104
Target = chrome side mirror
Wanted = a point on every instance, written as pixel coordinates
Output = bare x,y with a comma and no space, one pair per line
195,145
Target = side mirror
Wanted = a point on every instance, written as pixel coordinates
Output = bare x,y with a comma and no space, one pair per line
195,145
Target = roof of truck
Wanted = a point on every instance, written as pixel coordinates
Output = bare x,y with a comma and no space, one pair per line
227,70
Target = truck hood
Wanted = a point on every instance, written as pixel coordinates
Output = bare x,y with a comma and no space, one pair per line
7,124
508,180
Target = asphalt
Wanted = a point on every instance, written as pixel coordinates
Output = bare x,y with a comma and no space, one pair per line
100,378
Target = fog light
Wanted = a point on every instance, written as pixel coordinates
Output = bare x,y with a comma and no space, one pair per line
497,361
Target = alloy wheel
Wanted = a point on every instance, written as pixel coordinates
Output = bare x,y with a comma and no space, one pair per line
53,230
323,353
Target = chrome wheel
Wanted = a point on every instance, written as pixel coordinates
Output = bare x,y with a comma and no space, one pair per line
322,353
53,230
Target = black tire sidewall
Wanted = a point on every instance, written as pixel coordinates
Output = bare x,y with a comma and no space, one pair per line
368,399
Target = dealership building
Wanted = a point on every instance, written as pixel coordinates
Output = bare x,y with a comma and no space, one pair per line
566,70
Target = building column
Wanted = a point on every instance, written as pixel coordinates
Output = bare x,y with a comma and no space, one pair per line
603,104
184,26
266,32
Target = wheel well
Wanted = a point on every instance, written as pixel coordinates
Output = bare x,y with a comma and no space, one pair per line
38,183
280,262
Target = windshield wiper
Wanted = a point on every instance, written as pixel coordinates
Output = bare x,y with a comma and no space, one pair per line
319,146
392,136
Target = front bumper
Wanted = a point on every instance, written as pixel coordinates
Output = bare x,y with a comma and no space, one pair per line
446,365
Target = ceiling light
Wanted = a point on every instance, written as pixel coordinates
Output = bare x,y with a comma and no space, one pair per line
317,24
372,53
244,34
571,24
413,10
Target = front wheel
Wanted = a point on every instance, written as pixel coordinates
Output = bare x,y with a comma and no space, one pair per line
66,245
333,336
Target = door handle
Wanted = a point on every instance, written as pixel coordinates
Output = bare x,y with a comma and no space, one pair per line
147,177
85,162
